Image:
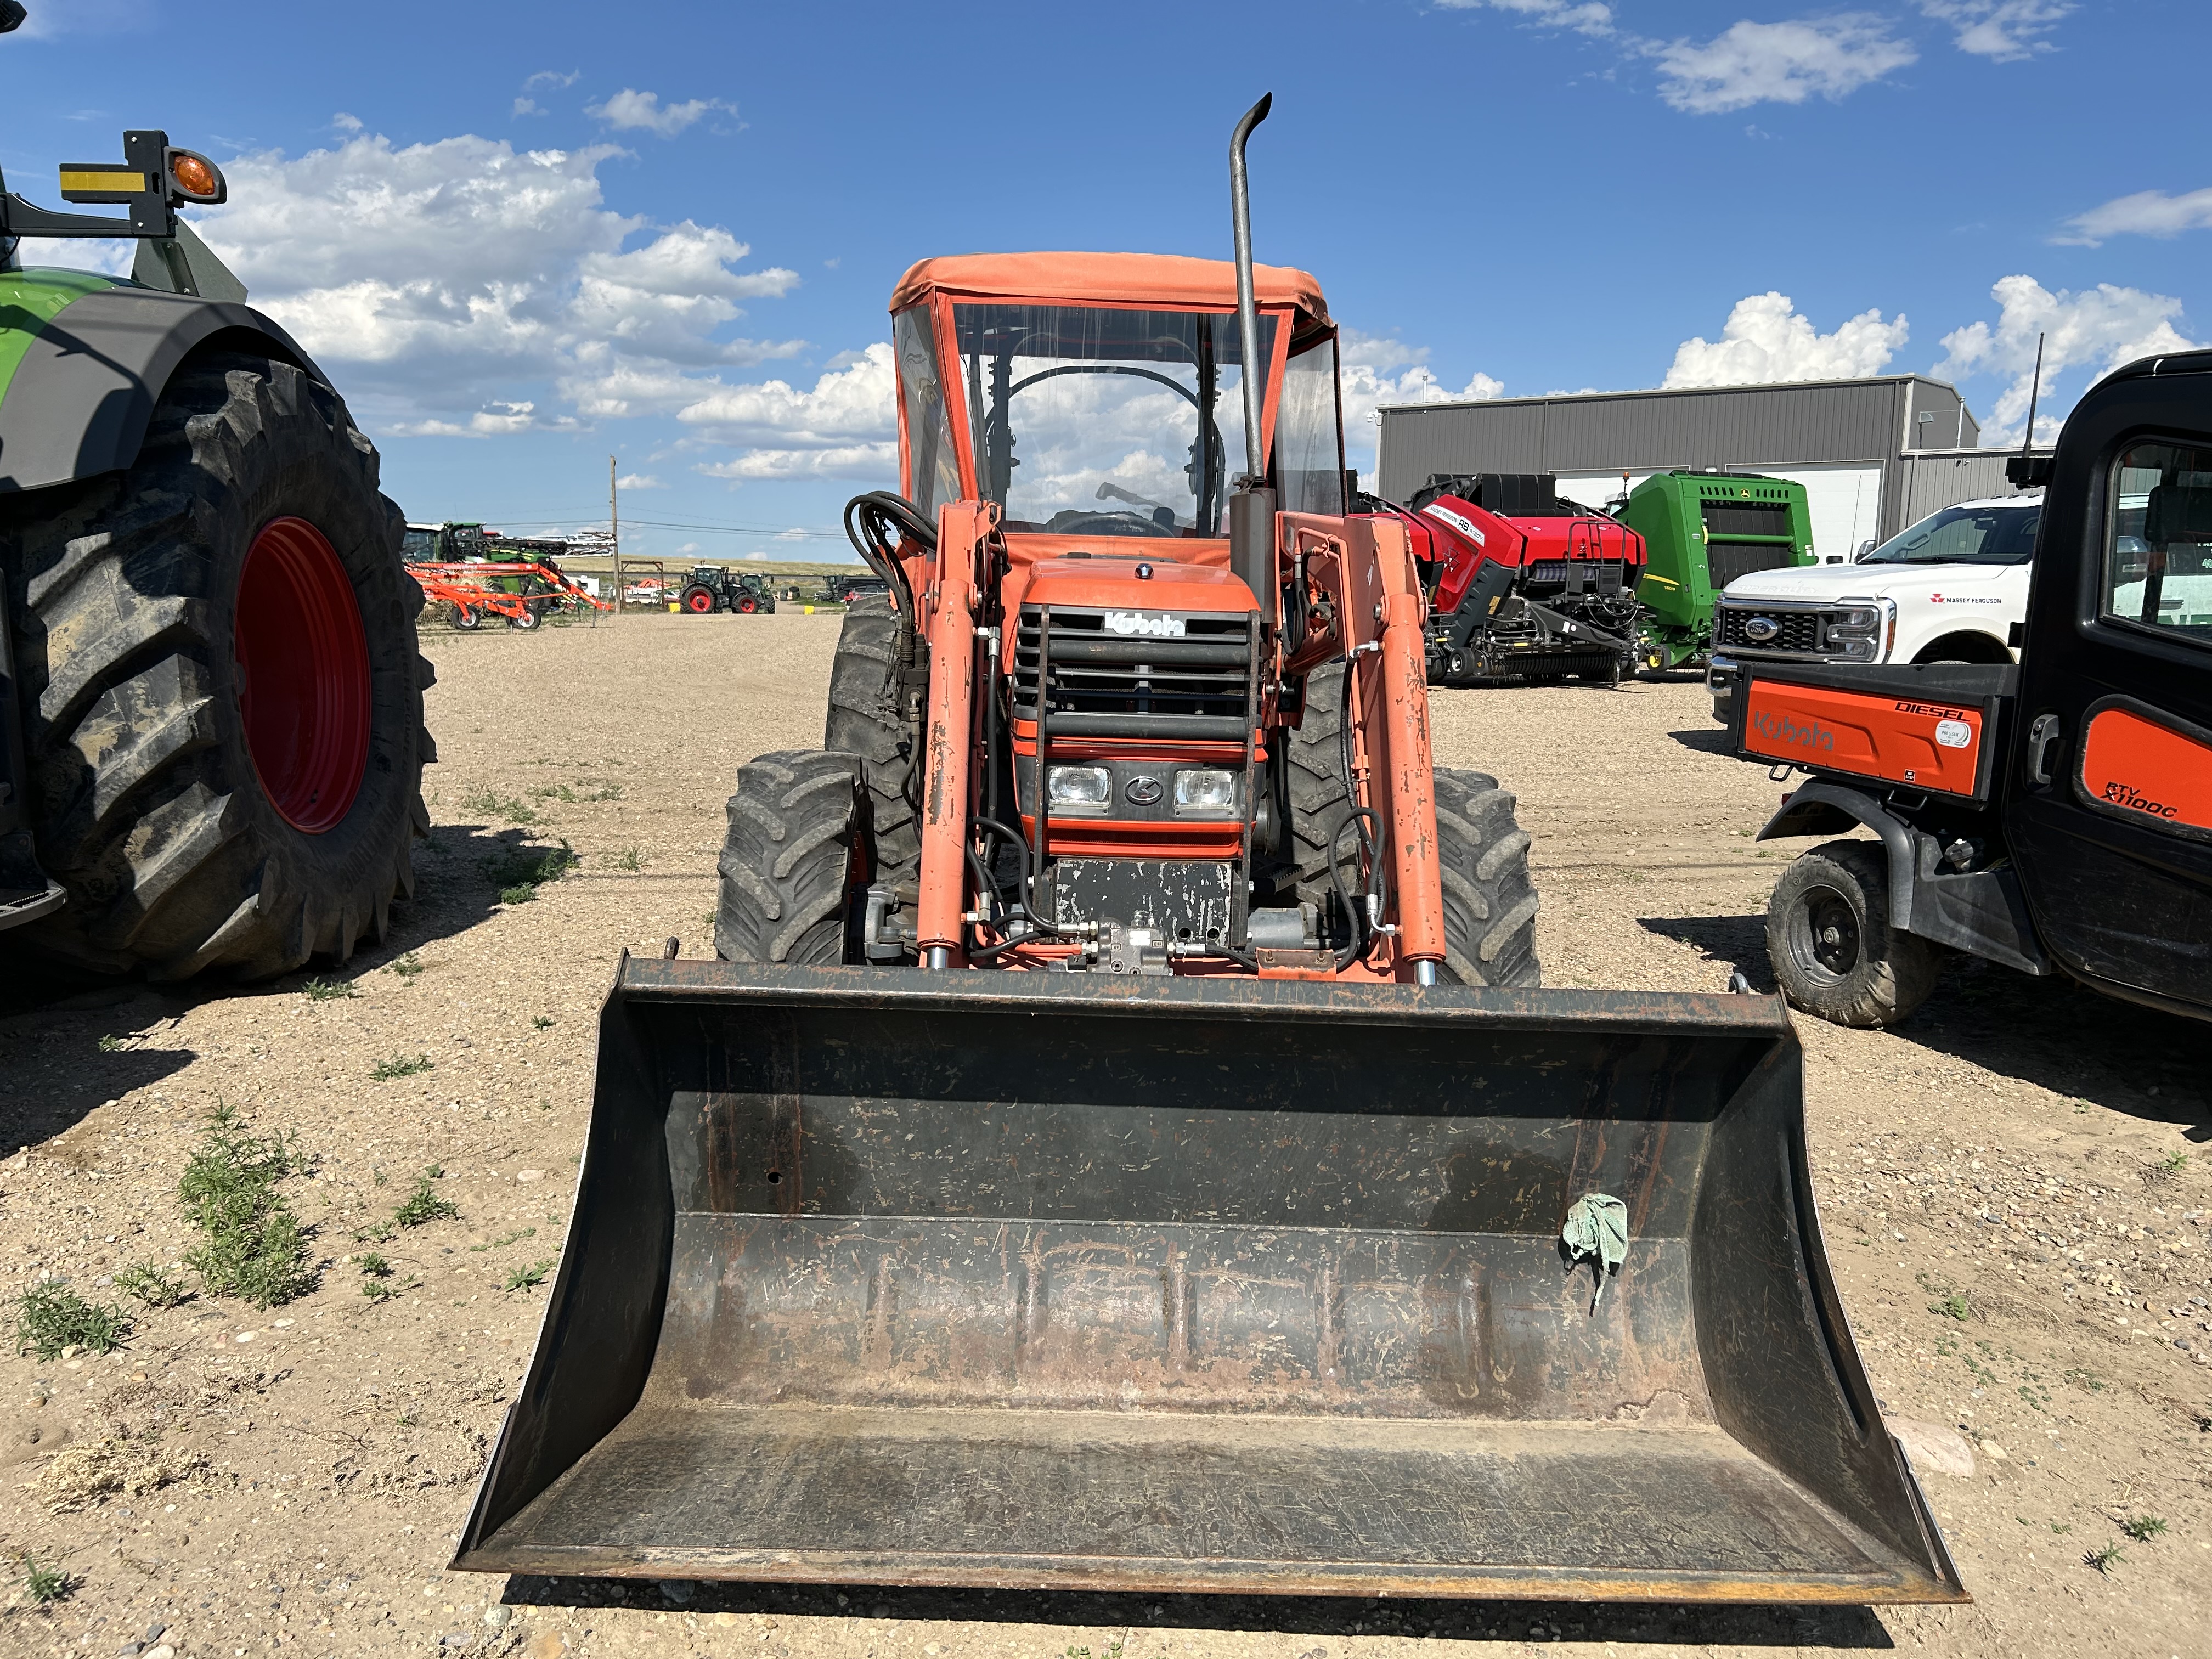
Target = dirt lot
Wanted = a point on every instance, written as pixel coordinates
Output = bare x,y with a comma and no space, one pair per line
2013,1194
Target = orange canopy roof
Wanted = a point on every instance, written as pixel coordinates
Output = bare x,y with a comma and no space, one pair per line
1164,279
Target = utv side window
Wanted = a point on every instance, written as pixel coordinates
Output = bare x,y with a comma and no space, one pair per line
2158,541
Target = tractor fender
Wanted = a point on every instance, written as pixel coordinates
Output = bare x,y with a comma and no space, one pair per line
79,400
1981,912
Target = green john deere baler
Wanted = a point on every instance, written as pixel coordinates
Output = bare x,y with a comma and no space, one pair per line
1701,530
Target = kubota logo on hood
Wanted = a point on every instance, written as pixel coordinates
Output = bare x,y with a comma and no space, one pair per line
1136,621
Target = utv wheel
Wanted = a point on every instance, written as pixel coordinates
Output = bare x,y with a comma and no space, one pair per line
867,720
220,692
794,861
1490,898
1834,950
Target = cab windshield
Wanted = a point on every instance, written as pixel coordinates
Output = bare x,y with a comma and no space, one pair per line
1093,421
1964,535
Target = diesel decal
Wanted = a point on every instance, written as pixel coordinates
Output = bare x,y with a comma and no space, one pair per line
1935,709
1781,729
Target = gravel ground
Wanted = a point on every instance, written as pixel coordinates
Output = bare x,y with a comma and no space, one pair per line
2014,1200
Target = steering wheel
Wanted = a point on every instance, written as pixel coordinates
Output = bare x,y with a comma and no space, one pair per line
1220,446
1077,521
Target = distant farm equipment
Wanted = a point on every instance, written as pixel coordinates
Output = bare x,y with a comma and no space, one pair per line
478,573
711,587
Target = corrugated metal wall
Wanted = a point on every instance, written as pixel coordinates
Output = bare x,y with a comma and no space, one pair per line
1935,481
1869,421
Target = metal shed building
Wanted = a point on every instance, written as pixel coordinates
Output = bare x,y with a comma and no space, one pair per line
1874,455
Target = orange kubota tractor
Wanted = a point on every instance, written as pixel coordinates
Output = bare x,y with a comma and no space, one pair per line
1120,1144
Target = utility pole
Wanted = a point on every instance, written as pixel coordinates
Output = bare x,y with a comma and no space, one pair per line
614,532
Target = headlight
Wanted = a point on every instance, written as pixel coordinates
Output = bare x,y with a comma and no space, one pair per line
1205,789
1856,620
1079,786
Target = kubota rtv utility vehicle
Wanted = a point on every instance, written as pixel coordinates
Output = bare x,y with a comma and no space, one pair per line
1120,1146
2054,816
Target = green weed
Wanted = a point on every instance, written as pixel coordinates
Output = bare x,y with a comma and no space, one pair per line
146,1281
46,1586
2106,1560
501,1243
2087,1381
424,1204
520,874
492,804
399,1066
406,967
49,1317
541,1021
2142,1528
523,1279
254,1247
110,1044
329,990
629,859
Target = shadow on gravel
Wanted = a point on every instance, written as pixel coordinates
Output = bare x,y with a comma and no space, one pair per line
2051,1032
1080,1611
1708,740
54,1069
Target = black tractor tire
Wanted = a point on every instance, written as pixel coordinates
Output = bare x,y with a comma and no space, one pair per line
467,618
131,619
865,720
690,600
1834,953
1490,903
746,604
1490,898
794,861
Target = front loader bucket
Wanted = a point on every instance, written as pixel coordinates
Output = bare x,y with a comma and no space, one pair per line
1196,1284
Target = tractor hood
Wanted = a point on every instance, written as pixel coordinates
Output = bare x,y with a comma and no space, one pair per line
1111,581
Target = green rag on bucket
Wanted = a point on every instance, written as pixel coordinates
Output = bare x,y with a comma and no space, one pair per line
1597,1226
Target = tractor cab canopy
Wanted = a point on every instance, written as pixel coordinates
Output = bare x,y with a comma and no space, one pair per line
1101,394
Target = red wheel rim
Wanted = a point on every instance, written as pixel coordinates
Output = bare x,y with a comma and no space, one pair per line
302,675
702,602
749,605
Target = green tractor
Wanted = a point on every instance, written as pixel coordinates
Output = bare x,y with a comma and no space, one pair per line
1701,530
711,588
211,739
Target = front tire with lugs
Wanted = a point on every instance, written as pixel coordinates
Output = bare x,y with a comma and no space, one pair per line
221,691
793,859
1490,898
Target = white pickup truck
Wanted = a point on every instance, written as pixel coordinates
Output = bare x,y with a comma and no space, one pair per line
1951,588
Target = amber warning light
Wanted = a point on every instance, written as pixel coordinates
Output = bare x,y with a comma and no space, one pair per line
193,178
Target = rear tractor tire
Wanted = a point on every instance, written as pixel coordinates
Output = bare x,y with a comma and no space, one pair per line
1490,900
1834,953
220,692
698,600
794,862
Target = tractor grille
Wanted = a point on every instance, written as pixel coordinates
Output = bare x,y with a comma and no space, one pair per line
1727,561
1800,630
1746,519
1109,684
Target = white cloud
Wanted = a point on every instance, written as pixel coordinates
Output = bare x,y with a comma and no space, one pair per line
1583,16
1367,383
498,420
444,277
644,111
2100,328
1765,339
877,463
639,481
114,257
343,123
2146,213
1749,63
549,78
2000,29
528,107
847,403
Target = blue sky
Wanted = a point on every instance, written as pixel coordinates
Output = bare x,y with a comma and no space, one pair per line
524,237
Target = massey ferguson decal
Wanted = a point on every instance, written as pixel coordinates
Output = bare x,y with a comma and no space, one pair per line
1924,745
2142,769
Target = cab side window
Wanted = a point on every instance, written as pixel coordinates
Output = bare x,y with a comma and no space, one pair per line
2158,542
